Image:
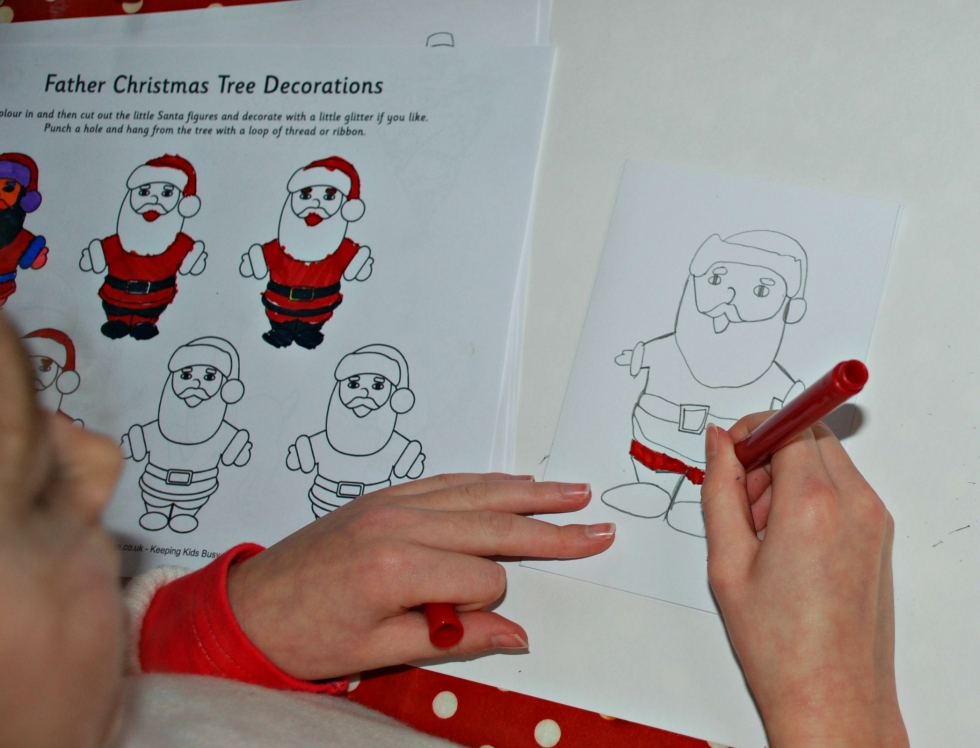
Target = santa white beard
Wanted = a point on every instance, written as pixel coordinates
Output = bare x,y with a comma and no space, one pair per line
351,435
147,237
735,357
310,243
50,398
183,424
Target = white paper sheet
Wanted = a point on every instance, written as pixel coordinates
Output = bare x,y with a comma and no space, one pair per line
447,202
716,296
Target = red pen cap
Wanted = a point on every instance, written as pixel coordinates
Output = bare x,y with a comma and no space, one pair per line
832,389
445,628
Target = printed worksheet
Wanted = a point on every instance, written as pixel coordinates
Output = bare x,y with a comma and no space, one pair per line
282,281
717,296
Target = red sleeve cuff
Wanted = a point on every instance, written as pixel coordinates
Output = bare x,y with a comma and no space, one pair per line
190,628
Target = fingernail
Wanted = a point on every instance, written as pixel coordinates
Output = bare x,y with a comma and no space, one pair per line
711,441
508,641
602,530
574,491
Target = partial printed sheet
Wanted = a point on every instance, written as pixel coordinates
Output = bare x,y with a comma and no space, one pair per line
339,22
716,297
281,283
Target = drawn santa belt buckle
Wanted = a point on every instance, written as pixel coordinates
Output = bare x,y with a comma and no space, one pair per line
179,477
349,490
302,293
693,418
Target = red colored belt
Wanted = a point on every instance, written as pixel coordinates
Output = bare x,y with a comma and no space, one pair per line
660,461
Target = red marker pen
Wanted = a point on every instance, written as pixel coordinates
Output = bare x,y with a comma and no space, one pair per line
832,389
445,628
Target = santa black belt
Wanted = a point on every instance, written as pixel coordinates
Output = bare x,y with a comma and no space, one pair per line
287,312
139,287
303,293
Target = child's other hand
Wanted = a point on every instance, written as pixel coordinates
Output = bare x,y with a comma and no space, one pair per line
809,607
338,596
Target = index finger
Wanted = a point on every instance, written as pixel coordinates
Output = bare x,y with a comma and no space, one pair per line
512,496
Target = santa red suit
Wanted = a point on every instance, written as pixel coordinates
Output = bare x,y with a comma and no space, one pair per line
312,254
138,288
304,291
142,260
23,249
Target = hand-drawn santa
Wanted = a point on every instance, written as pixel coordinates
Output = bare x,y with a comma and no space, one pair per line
52,356
19,248
148,249
360,451
312,253
190,438
718,364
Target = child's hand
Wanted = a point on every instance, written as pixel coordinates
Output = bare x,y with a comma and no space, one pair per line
337,597
809,608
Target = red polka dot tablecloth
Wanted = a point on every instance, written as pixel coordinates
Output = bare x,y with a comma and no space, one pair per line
468,713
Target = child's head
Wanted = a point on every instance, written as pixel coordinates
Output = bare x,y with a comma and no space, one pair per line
61,622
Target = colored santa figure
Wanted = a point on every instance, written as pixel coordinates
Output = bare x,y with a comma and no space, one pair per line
52,356
149,248
190,438
359,451
718,364
312,253
19,248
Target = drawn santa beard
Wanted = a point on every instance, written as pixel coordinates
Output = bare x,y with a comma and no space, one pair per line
11,222
49,397
735,357
182,424
310,243
353,435
145,237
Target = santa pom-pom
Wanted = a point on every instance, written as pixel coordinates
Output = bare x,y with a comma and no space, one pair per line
189,206
352,211
402,400
232,391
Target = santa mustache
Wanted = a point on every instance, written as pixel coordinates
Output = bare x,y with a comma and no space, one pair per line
150,212
362,402
193,396
723,315
314,216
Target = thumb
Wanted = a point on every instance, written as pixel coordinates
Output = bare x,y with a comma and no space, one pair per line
732,542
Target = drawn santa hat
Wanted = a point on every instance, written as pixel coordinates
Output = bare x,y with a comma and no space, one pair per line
769,249
55,345
332,172
385,361
22,170
173,170
216,352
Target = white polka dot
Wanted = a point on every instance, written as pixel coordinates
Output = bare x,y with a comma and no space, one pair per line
6,14
445,704
606,716
132,7
716,745
353,682
547,733
215,5
486,746
505,690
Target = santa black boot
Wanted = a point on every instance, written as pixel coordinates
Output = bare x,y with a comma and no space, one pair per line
280,336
